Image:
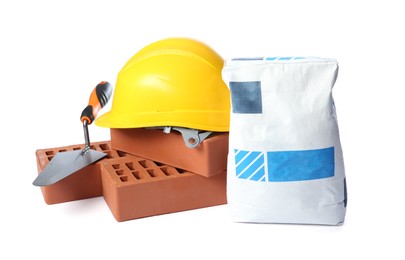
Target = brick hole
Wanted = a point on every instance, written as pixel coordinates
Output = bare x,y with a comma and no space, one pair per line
62,150
121,154
130,166
104,147
147,164
119,172
49,153
76,148
124,178
50,158
159,164
143,163
169,171
151,172
180,170
115,166
136,175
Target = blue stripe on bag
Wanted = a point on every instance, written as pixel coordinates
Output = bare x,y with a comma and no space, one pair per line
249,165
284,58
286,165
301,165
239,155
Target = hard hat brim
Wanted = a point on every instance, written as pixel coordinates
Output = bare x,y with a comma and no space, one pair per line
216,121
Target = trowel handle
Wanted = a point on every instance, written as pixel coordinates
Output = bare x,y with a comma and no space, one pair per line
98,99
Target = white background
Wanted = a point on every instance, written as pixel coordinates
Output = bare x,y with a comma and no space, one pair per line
52,54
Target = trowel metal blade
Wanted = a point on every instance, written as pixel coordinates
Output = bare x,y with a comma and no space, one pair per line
65,164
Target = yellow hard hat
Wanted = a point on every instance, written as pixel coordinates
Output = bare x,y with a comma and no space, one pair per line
172,82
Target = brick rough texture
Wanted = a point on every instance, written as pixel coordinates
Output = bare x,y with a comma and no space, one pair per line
207,159
134,187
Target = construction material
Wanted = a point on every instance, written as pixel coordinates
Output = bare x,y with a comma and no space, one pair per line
174,82
207,159
157,189
134,187
64,164
85,183
285,160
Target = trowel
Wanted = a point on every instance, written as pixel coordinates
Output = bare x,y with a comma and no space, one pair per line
66,163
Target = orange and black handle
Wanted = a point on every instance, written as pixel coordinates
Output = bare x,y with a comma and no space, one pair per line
98,99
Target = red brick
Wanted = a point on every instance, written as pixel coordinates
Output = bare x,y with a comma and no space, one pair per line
134,187
207,159
85,183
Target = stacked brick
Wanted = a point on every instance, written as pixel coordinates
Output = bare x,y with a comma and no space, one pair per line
145,173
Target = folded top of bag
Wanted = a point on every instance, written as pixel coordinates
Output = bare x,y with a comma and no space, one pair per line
279,59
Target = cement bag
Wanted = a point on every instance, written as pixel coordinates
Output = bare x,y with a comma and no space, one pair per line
285,162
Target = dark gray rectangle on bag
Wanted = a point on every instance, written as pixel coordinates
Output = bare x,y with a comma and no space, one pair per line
246,97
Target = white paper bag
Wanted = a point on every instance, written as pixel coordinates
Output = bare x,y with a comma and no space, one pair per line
285,162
